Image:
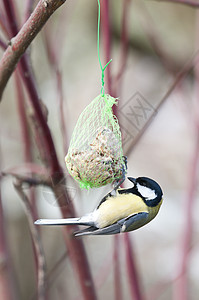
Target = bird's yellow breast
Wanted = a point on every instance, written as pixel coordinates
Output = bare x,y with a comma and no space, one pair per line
122,206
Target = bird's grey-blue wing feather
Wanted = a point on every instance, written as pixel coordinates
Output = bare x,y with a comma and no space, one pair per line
133,222
127,224
112,229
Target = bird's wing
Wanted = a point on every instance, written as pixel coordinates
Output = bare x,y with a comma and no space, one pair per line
134,221
127,224
111,229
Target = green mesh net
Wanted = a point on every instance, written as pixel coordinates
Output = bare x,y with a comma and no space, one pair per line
95,156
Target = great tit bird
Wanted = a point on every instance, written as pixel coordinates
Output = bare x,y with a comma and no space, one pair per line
119,211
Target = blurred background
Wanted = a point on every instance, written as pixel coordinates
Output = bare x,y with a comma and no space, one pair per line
151,43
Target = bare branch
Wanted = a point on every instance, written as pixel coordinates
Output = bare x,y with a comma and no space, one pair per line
25,36
29,181
105,7
36,240
5,268
117,268
124,46
179,77
134,282
45,141
53,56
43,137
182,284
75,247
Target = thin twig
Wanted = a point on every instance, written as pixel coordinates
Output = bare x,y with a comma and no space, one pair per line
182,285
51,275
53,57
129,256
75,247
117,269
107,40
3,25
25,134
123,46
5,284
181,290
11,16
23,119
107,50
38,119
61,110
24,37
179,77
131,269
36,239
156,40
27,181
27,168
104,271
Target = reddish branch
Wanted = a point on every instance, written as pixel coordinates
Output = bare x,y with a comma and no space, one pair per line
53,57
11,18
36,240
23,120
12,55
107,40
132,270
46,146
27,148
5,282
124,46
24,37
178,79
75,246
117,268
182,284
61,109
131,267
157,41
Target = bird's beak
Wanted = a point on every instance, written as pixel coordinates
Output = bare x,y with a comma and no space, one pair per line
132,179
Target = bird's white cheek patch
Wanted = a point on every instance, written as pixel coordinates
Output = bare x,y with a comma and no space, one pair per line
146,192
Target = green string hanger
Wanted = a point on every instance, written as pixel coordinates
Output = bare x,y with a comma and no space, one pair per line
95,155
98,34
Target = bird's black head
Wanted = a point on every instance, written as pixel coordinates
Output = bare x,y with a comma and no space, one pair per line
148,189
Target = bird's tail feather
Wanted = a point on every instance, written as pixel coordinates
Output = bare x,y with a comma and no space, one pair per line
69,221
